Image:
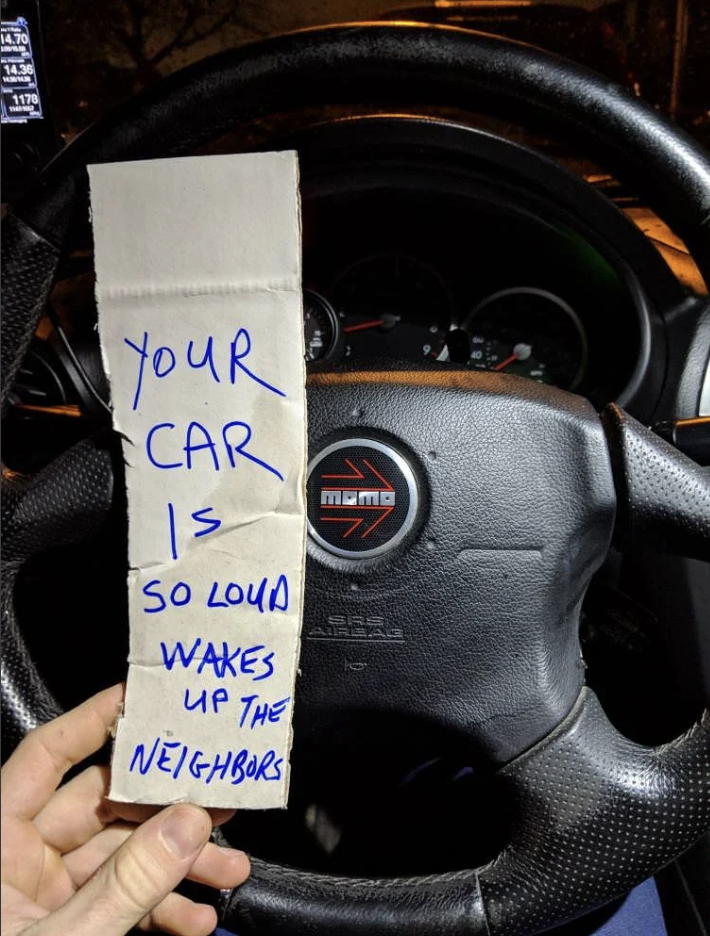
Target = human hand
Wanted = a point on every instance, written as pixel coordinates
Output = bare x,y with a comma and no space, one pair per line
75,863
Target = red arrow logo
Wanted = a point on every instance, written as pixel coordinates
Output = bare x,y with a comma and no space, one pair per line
354,524
358,511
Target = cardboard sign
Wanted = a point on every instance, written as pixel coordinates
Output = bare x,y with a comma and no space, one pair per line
198,264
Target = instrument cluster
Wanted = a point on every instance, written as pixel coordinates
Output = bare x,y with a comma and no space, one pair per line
416,277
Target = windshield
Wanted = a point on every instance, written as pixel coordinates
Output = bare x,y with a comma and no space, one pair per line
660,49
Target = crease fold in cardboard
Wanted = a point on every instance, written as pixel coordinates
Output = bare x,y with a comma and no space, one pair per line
198,264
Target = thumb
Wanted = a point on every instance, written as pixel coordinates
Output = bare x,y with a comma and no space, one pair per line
137,877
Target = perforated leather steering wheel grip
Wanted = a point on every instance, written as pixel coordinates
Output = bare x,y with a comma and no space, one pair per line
593,814
663,496
65,503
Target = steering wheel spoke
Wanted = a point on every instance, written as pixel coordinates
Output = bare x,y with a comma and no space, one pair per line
664,496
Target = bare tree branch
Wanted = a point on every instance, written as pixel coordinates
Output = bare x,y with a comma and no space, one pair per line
199,34
215,27
136,43
190,32
192,14
140,35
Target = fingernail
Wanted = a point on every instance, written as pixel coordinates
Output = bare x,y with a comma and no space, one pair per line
232,853
185,830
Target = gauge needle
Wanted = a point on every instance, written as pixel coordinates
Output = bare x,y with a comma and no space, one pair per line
387,321
376,323
521,352
508,360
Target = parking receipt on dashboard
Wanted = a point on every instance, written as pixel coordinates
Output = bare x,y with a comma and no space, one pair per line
198,265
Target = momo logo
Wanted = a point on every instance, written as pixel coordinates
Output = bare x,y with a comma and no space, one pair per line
363,505
350,498
362,498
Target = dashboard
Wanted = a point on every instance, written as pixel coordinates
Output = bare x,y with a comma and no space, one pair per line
420,278
424,244
466,281
524,331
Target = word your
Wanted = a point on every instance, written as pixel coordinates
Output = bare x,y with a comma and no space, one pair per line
230,362
225,662
234,767
230,595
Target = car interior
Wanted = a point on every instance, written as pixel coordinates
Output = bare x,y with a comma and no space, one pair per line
501,719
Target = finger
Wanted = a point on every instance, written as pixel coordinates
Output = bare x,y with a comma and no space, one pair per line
215,866
221,868
80,810
182,917
77,812
137,812
175,915
19,912
137,877
36,768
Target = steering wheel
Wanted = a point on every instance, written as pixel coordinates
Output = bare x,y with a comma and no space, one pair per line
518,520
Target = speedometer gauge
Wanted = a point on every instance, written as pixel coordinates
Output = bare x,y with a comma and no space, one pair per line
531,333
489,354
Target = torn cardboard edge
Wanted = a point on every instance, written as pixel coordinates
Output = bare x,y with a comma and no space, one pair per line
187,730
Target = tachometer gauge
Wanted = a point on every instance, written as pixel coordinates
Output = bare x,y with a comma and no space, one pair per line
531,333
393,306
320,326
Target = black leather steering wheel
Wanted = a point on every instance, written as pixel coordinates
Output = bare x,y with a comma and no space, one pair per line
592,813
